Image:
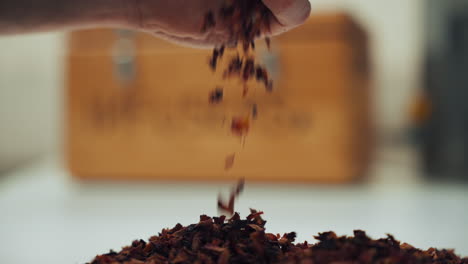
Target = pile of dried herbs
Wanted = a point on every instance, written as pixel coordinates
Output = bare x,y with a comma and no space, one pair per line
217,240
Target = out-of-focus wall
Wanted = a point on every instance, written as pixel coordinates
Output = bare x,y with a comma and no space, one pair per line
30,96
31,75
397,34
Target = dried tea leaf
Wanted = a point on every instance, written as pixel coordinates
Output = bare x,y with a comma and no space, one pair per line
240,126
256,227
216,96
229,162
229,207
254,112
224,258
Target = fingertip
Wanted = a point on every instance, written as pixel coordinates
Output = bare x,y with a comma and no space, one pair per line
306,12
289,13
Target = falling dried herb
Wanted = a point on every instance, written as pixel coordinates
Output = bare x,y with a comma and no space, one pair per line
216,96
246,20
249,69
229,207
234,67
221,240
242,68
240,126
216,55
254,111
262,75
229,161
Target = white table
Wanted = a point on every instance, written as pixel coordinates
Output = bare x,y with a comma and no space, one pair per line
47,217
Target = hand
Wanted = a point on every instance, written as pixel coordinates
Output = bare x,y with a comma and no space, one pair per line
181,21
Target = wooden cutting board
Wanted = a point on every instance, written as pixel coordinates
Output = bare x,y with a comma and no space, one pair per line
138,109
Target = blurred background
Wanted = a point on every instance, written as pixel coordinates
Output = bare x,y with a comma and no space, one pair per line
375,90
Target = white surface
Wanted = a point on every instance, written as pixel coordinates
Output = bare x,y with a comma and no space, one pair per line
46,217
